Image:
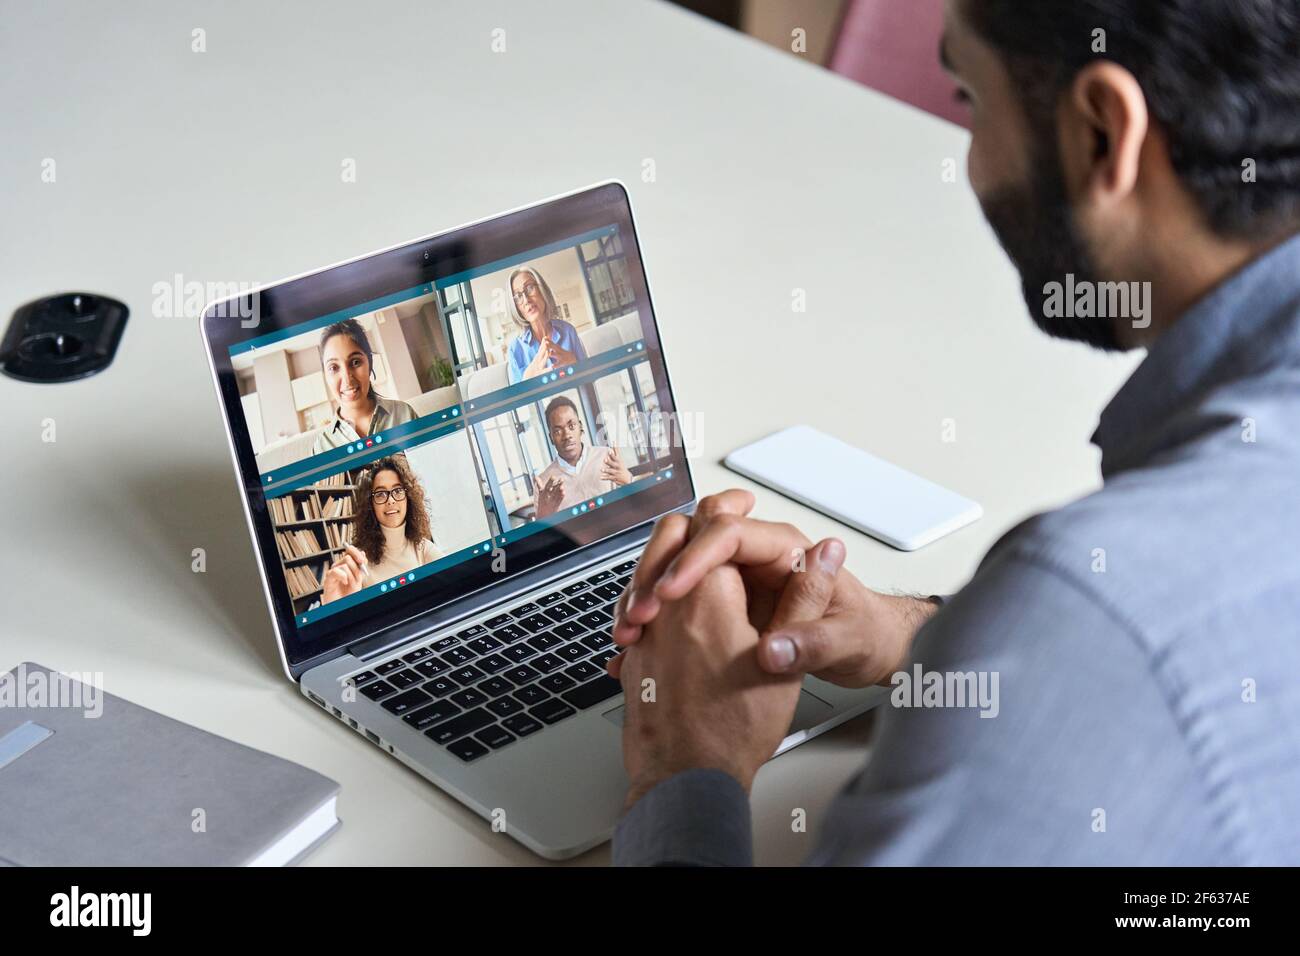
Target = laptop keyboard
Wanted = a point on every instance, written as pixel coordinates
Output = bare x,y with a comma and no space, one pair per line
509,676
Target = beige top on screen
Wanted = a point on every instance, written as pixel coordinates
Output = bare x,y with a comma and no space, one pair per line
401,555
582,481
339,432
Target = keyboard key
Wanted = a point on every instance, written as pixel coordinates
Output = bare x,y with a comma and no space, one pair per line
600,659
608,591
575,587
469,697
524,610
481,645
405,703
535,623
493,623
403,679
494,687
388,667
548,662
624,580
495,736
518,653
474,630
493,663
521,674
585,602
532,694
556,683
521,725
505,706
597,641
445,644
572,652
441,686
561,612
435,713
468,749
584,670
378,690
466,723
569,629
600,576
624,568
459,655
595,619
467,675
364,677
593,692
543,640
552,711
510,633
432,667
550,599
417,655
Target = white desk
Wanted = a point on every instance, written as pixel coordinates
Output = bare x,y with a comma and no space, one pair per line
225,166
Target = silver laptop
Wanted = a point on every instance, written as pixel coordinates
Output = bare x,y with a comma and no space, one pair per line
451,453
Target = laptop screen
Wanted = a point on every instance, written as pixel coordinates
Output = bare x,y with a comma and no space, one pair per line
437,418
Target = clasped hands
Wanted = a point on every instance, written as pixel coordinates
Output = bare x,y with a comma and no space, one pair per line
720,622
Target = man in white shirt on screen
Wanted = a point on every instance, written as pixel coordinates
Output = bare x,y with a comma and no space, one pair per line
580,471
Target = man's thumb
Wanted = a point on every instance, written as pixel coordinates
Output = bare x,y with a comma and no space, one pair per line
807,593
803,648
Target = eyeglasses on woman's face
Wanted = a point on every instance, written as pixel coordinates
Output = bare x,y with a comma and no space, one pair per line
381,497
529,289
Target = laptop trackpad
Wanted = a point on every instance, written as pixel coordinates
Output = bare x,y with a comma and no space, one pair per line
808,713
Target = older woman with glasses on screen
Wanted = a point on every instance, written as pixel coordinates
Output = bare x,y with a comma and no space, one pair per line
391,535
545,341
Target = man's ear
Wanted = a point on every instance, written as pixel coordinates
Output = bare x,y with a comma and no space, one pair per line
1103,123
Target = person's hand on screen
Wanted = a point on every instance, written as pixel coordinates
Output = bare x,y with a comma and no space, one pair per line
613,470
539,364
560,356
347,575
549,495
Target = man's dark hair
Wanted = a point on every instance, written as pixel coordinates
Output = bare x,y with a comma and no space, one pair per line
1221,80
561,402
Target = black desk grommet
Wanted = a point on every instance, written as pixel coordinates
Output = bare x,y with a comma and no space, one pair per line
62,337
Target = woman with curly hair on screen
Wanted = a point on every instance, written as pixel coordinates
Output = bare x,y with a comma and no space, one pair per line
391,535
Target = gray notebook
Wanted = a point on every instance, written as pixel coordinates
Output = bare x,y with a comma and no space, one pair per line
89,779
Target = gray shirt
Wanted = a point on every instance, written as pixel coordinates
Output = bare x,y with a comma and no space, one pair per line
1146,639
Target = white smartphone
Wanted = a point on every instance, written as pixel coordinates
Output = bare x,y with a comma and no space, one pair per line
846,483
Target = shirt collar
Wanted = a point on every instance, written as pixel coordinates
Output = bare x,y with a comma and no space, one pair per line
1246,325
382,412
575,468
528,338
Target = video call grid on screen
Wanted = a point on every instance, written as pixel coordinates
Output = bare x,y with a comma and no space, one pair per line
438,361
478,482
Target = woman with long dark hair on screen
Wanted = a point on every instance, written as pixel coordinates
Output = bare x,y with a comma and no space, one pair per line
348,364
391,533
545,341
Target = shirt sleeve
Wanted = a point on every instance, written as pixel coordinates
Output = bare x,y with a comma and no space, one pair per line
515,361
1071,754
696,818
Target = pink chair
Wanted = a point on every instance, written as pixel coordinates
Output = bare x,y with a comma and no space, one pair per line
893,46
